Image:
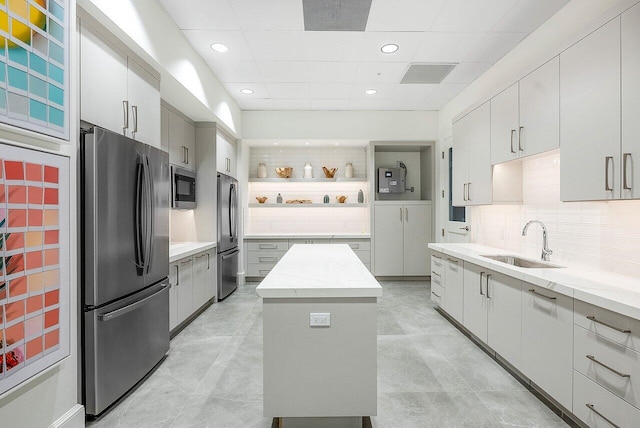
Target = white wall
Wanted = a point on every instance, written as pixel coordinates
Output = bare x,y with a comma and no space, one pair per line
187,82
341,125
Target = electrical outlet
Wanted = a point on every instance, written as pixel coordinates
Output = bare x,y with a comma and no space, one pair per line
319,319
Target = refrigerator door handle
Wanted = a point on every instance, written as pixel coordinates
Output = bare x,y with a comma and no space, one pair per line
150,214
231,231
138,216
132,307
235,211
228,256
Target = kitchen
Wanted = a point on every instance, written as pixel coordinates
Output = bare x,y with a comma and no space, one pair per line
581,234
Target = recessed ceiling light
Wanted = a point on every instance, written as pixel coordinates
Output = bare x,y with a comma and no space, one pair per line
335,144
370,92
389,48
219,47
246,91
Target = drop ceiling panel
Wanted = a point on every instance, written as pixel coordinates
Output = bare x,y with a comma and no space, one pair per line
380,72
373,104
202,14
331,71
269,15
334,46
201,41
259,90
329,90
276,45
357,91
528,15
411,92
288,90
329,104
255,104
446,47
466,72
335,15
494,46
295,104
408,43
236,71
410,105
441,96
417,15
471,15
284,71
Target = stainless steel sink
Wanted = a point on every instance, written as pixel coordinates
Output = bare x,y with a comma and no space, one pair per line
520,262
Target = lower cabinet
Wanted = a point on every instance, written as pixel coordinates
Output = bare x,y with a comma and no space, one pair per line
547,341
475,301
453,287
193,284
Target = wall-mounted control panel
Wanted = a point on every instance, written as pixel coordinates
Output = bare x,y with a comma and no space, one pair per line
320,319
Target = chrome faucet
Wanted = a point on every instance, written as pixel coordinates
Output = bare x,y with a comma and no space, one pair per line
546,252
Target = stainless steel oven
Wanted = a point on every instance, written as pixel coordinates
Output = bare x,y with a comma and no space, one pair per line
183,188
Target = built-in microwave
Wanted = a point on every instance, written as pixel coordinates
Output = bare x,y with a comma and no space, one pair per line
183,188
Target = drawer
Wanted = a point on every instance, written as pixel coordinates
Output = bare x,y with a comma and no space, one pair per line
615,327
437,294
273,245
599,408
437,263
364,256
355,244
259,269
264,256
621,376
292,242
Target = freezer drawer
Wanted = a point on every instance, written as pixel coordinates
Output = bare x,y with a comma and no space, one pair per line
123,341
227,272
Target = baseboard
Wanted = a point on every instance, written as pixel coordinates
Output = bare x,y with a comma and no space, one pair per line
241,278
74,418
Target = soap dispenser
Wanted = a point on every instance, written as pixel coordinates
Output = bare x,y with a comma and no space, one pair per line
279,198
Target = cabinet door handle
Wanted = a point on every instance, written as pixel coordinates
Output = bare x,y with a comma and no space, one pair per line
513,134
481,276
184,262
134,113
625,184
592,358
208,259
593,409
464,192
264,271
532,291
187,158
406,214
469,191
400,214
435,294
267,259
177,275
452,260
607,160
125,109
435,273
268,246
354,246
621,330
437,257
488,276
520,145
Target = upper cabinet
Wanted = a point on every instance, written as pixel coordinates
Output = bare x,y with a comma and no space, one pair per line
630,102
116,92
590,155
472,172
180,138
525,117
226,154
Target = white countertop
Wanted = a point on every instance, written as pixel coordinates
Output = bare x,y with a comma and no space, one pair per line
308,236
180,250
608,290
323,270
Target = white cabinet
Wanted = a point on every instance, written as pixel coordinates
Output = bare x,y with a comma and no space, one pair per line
475,300
184,287
472,171
116,92
590,116
525,118
504,316
173,295
226,154
402,233
181,140
630,102
204,278
547,341
453,287
437,280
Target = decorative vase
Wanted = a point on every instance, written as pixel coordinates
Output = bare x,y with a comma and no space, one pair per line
279,198
360,197
326,199
308,171
348,173
262,170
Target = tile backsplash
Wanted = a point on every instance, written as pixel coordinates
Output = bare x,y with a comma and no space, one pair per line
594,235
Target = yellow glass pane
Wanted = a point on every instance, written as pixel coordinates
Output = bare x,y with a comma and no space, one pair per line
34,239
51,278
35,282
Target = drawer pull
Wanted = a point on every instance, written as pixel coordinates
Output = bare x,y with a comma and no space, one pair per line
268,246
452,260
435,294
621,330
268,259
264,271
532,291
435,273
593,409
437,257
355,246
592,358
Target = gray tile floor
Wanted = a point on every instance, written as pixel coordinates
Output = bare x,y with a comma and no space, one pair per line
429,374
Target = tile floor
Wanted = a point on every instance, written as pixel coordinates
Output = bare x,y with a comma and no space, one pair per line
429,374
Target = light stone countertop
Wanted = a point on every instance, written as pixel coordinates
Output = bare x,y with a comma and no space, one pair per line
608,290
307,236
180,250
319,271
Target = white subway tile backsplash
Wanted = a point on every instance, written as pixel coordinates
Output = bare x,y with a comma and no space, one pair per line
596,235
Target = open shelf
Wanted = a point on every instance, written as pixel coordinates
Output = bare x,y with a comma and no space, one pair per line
307,180
312,205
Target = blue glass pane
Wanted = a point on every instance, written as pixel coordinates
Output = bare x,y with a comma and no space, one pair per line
17,78
56,52
3,99
3,72
56,116
37,87
56,94
56,73
19,55
37,110
56,10
56,31
38,64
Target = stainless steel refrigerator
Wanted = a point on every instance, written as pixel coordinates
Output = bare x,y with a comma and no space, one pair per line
125,264
227,235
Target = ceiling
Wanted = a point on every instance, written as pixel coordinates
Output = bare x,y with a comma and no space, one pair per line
289,68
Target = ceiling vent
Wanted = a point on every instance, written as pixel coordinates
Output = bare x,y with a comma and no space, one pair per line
427,73
336,15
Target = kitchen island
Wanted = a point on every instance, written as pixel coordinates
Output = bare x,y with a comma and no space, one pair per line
320,364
